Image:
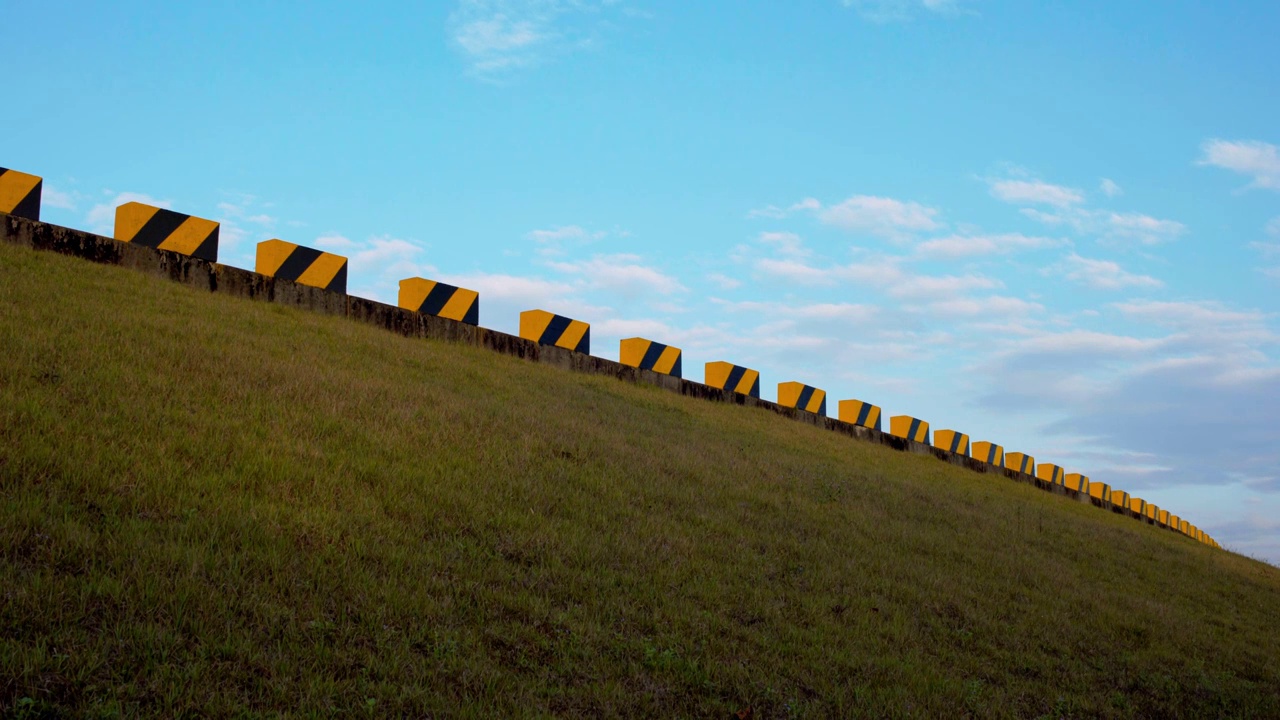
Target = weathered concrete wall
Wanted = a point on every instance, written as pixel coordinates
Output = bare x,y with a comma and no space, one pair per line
228,280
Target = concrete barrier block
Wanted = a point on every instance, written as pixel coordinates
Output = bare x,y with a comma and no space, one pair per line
1025,464
856,412
805,397
1184,526
20,194
727,376
154,227
989,452
1163,517
1078,483
439,299
1099,491
1137,505
302,265
547,328
1050,473
905,426
645,354
1119,499
951,441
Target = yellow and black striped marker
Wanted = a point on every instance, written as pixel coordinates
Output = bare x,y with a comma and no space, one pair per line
162,229
1120,498
1184,526
637,352
547,328
1102,491
1137,505
856,412
1050,473
436,298
20,194
303,265
1023,463
905,426
805,397
1152,512
1173,522
1162,517
1078,482
727,376
989,452
953,440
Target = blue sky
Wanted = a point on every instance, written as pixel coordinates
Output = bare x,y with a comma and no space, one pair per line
1051,225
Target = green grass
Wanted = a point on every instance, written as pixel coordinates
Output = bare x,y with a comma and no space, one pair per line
210,506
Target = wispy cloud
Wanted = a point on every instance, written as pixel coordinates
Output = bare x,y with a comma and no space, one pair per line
960,246
101,218
885,11
1110,188
1257,159
879,216
1101,274
499,37
1034,192
623,274
1112,227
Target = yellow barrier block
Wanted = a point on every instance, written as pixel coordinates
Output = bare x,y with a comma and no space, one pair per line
1162,517
952,440
1120,498
303,265
989,452
649,355
1024,464
1174,523
1152,512
856,412
162,229
1102,491
804,397
727,376
1050,473
1184,526
436,298
20,194
1138,505
547,328
905,426
1080,483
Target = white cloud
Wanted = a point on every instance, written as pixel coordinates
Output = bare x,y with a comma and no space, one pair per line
724,282
525,292
620,274
1143,228
1111,227
54,198
1273,227
959,246
881,216
884,11
777,213
500,37
101,218
1101,274
992,306
787,243
1254,158
1110,188
565,232
1036,192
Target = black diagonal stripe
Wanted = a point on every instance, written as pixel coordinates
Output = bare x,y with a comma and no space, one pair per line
676,369
911,432
554,330
806,394
297,263
955,442
29,206
435,300
735,377
864,413
822,407
473,313
755,388
991,454
3,171
584,345
158,228
208,249
339,282
652,355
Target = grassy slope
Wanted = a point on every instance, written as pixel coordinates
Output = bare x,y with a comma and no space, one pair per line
213,504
